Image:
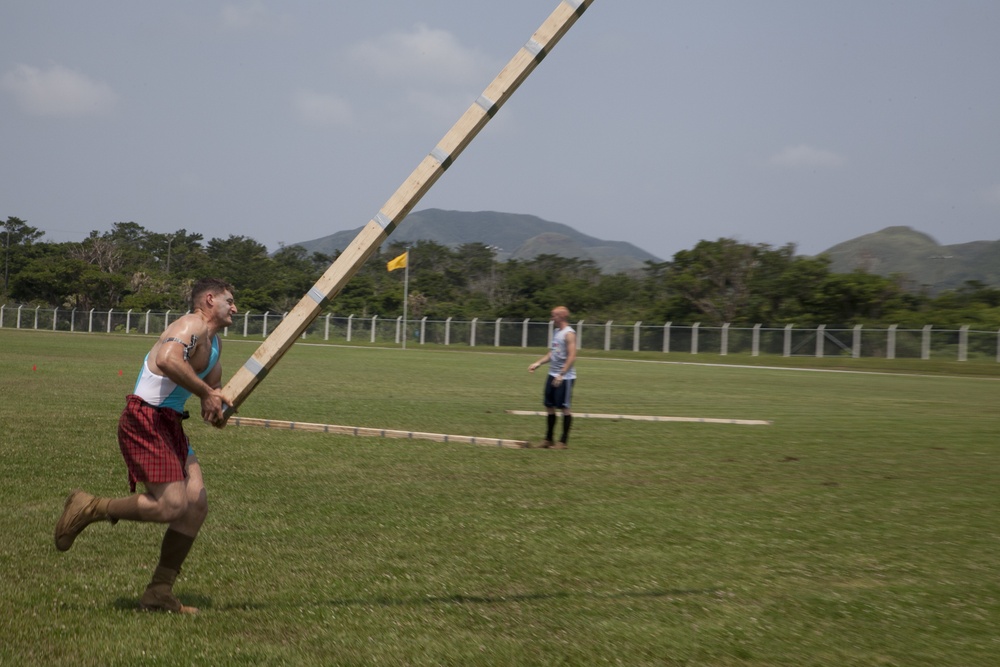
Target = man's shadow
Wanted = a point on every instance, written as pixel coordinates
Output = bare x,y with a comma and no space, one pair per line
204,602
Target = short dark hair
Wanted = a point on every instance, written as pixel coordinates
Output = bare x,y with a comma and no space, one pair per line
208,285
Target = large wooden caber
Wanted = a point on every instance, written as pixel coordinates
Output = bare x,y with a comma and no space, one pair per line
402,202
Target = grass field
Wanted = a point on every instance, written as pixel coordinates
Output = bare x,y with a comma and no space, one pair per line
861,528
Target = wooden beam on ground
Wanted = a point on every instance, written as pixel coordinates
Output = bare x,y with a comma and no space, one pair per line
649,418
376,432
402,202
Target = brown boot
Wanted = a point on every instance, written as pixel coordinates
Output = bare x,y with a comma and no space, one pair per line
159,595
81,510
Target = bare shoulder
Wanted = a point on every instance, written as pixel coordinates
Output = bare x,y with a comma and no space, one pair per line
189,331
185,327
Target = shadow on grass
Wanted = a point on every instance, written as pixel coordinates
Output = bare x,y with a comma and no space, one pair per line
205,603
201,602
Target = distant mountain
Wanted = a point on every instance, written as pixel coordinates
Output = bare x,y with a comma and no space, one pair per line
920,258
515,236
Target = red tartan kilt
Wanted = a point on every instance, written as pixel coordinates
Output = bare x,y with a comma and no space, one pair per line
153,442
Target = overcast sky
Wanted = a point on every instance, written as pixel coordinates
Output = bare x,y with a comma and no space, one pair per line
655,122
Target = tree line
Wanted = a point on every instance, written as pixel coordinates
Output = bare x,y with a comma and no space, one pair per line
130,267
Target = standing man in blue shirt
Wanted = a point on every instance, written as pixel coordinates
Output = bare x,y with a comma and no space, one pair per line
561,378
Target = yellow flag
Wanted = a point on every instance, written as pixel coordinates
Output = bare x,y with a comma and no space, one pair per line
398,263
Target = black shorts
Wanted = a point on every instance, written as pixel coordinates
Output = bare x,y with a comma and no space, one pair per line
558,397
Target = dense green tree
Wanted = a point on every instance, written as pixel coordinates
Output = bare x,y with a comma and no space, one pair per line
294,273
780,283
857,297
538,284
178,254
17,236
244,262
974,303
716,278
617,297
53,278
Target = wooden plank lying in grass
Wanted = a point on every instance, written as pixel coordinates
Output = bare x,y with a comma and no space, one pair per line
375,432
649,418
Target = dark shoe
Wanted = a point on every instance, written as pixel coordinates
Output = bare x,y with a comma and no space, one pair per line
159,595
546,444
81,510
559,445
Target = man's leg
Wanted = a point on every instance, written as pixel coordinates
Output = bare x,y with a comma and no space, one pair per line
567,425
176,545
563,396
550,423
162,503
550,427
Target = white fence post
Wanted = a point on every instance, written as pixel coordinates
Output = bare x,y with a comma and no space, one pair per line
666,337
447,331
90,321
856,343
472,332
166,320
925,342
755,341
423,328
2,308
128,321
399,327
787,347
147,322
326,328
890,343
55,318
820,335
263,332
579,335
963,342
724,345
19,315
607,335
36,317
374,318
350,323
694,337
496,333
635,336
524,332
72,321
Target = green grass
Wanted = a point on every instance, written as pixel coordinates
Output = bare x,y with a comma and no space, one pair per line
859,529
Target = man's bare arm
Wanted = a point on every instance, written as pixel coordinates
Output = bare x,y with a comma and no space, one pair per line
173,362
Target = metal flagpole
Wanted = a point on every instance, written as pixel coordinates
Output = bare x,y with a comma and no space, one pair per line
406,292
395,210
